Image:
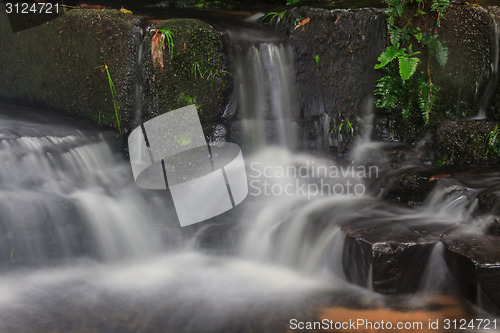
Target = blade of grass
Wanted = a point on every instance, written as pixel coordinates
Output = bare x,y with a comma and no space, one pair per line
113,93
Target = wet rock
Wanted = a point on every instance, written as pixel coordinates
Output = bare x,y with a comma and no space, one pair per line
465,142
195,72
494,227
493,109
469,35
335,54
410,188
474,260
489,202
394,254
337,49
61,65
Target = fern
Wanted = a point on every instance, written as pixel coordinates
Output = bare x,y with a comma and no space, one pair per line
427,98
388,55
408,85
407,67
493,141
388,88
273,17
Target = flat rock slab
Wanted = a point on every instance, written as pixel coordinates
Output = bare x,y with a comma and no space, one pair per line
474,260
390,257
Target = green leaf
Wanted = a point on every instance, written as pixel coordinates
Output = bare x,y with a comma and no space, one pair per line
407,67
441,53
406,111
427,99
388,88
388,55
419,12
395,36
400,9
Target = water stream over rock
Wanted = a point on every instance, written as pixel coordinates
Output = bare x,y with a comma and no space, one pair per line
84,249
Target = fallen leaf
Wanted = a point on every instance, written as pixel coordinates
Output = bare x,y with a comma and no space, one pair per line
126,11
436,177
84,5
302,23
157,50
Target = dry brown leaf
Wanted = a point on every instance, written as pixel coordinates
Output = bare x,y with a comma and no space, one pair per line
157,50
302,23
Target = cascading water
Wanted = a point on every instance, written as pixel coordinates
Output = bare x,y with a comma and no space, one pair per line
491,85
119,263
436,277
65,193
264,90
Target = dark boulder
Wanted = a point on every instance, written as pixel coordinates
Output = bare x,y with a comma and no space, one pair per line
489,202
465,142
394,254
474,260
335,52
494,227
61,65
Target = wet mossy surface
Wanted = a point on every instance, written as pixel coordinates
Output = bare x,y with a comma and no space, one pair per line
465,143
195,72
468,32
60,64
335,51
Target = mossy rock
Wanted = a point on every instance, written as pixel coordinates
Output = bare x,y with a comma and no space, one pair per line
60,64
465,143
56,66
195,70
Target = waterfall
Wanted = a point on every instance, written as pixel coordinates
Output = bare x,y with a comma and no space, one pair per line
69,194
491,86
264,91
436,277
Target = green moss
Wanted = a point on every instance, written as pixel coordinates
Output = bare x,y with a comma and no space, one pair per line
192,74
56,66
184,100
465,143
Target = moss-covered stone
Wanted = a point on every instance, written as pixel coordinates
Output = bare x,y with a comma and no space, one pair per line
468,32
465,142
60,64
335,51
195,72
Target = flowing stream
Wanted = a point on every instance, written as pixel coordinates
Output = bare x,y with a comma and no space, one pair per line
83,249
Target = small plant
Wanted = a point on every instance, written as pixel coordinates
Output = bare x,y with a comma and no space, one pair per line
207,4
412,44
212,75
99,123
347,127
493,141
196,70
161,38
112,88
273,17
316,60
